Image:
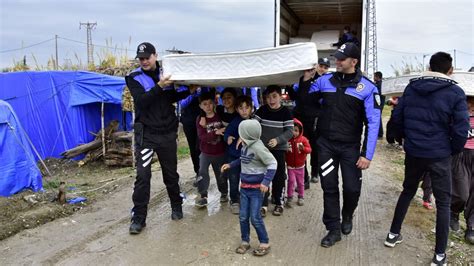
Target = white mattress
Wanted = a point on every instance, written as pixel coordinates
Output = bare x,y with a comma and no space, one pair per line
293,40
280,65
324,39
396,86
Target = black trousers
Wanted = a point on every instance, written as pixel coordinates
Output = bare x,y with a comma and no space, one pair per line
310,133
333,154
390,135
190,131
440,174
165,147
278,182
463,186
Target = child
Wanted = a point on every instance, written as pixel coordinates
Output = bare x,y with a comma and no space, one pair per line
258,166
231,136
298,149
212,149
277,129
463,182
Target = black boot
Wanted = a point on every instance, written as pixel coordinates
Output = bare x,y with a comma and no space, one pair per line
469,236
454,222
137,225
176,212
346,225
331,238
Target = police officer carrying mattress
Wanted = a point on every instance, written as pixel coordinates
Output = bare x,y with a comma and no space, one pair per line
348,101
155,129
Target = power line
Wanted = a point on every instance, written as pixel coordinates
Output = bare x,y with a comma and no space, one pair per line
25,47
97,45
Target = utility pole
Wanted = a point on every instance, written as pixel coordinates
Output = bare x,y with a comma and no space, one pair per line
371,40
56,65
454,59
90,48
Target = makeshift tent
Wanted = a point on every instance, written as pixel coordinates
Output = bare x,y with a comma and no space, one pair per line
18,169
59,109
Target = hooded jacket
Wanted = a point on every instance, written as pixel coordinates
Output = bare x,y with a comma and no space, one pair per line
258,166
296,158
432,116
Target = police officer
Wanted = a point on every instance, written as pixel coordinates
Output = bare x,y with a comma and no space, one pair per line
307,111
349,100
155,129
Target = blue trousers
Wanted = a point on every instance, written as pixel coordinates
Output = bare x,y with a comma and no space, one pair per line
251,200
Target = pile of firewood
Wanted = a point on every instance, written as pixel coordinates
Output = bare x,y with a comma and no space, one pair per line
118,148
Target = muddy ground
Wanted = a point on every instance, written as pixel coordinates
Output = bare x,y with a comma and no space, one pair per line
96,232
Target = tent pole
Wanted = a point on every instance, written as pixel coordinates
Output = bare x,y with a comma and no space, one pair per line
103,131
133,140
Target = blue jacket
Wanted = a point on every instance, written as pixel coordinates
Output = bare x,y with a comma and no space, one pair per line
348,102
432,116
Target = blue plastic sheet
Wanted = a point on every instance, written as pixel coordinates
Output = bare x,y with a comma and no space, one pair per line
58,109
18,169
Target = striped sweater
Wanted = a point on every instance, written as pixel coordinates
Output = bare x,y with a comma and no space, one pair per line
276,123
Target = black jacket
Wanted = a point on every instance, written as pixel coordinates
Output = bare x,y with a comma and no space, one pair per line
154,106
306,105
432,116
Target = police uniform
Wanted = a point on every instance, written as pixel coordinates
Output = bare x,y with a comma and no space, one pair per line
155,131
348,101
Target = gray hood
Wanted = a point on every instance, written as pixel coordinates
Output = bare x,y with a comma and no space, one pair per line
250,131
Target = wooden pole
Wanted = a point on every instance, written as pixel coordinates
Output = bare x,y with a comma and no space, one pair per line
103,130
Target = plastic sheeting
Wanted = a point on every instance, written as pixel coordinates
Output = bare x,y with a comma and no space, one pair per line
18,169
58,109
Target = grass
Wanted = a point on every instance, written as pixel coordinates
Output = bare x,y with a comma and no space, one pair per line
183,152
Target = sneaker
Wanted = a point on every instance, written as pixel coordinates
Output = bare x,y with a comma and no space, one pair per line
289,202
224,198
439,260
300,202
177,213
263,211
454,222
469,236
197,178
346,225
278,210
315,179
427,205
306,185
392,240
331,238
201,203
137,225
235,208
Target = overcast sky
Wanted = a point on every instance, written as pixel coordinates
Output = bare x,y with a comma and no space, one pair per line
406,29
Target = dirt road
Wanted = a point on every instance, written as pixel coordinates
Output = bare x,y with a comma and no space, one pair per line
100,236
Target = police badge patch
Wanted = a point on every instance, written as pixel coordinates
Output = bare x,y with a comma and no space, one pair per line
377,99
360,87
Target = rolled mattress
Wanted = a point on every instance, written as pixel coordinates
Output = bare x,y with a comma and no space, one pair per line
396,86
280,65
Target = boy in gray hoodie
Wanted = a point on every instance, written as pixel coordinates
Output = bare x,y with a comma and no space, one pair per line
258,166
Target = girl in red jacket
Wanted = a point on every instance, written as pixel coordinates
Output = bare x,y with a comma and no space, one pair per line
298,149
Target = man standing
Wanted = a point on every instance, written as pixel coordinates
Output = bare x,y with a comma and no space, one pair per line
307,111
432,116
378,83
348,101
155,131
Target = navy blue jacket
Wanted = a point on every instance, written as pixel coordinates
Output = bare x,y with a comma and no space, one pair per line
432,116
346,106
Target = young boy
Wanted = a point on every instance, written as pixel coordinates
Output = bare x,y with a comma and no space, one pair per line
231,137
277,129
212,149
258,167
463,182
298,149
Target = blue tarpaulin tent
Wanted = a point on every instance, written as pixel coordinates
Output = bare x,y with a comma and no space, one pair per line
18,169
59,109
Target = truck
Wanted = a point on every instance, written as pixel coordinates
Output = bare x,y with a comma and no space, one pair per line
321,22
